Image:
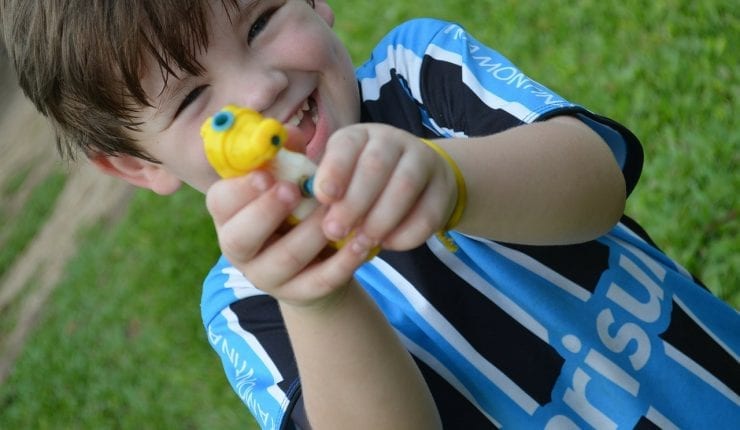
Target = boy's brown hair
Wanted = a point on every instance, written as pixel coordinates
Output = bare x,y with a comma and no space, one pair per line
80,61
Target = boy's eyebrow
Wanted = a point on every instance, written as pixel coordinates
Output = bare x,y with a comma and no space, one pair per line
163,87
168,86
171,83
242,7
168,98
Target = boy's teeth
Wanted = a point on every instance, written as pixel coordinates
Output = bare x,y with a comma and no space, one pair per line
298,116
311,108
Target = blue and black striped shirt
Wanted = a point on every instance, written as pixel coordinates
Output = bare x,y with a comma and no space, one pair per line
606,334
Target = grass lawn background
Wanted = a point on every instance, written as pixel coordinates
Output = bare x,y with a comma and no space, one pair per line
121,344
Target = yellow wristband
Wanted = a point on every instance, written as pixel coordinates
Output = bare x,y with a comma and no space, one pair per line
462,191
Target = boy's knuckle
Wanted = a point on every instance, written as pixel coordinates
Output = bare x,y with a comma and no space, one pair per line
288,259
374,161
232,246
352,134
407,182
214,201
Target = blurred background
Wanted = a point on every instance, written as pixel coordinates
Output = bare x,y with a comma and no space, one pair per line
100,284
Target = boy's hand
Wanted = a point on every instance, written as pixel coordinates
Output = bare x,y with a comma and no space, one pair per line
385,186
380,183
289,263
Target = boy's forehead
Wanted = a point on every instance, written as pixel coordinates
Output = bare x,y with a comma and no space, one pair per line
158,42
168,62
174,54
169,55
170,59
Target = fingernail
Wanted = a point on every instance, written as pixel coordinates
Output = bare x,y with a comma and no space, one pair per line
286,193
364,241
359,248
259,182
335,230
362,245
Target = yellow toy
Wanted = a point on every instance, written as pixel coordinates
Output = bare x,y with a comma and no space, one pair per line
238,140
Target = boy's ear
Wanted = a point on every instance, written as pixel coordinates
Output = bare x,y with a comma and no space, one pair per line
324,11
137,171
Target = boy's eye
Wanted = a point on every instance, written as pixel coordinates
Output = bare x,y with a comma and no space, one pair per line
259,24
192,95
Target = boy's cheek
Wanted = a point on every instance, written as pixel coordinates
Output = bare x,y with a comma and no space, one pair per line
199,176
197,172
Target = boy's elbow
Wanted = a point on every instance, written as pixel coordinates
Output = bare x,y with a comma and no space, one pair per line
608,188
597,208
614,212
611,204
602,194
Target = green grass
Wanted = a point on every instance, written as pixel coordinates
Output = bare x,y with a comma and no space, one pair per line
17,231
121,345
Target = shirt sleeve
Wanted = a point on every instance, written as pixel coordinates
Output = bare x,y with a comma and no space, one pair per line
246,330
461,87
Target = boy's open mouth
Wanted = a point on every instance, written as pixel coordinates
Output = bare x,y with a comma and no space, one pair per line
304,120
308,107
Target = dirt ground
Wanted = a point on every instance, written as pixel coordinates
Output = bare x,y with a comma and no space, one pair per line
27,145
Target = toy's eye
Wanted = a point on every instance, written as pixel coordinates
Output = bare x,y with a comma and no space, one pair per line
222,121
275,140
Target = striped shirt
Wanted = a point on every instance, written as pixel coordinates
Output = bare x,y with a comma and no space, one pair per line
610,333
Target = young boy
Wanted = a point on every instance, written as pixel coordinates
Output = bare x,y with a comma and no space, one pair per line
536,306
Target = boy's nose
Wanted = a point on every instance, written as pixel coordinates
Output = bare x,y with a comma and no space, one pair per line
257,88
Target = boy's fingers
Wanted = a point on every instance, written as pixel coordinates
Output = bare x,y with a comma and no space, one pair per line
425,218
227,197
408,181
326,277
296,268
374,168
375,162
290,254
338,163
242,235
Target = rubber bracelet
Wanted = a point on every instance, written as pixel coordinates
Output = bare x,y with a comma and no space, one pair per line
462,191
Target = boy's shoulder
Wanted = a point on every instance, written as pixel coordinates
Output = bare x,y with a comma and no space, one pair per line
430,25
413,39
416,31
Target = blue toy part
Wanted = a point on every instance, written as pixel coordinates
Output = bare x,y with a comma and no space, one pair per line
222,121
307,186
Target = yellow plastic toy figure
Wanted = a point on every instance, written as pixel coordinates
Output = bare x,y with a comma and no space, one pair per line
238,140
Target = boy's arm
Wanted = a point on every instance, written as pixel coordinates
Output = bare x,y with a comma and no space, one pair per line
354,371
545,183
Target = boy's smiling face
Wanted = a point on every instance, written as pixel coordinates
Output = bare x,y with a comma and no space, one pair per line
279,57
